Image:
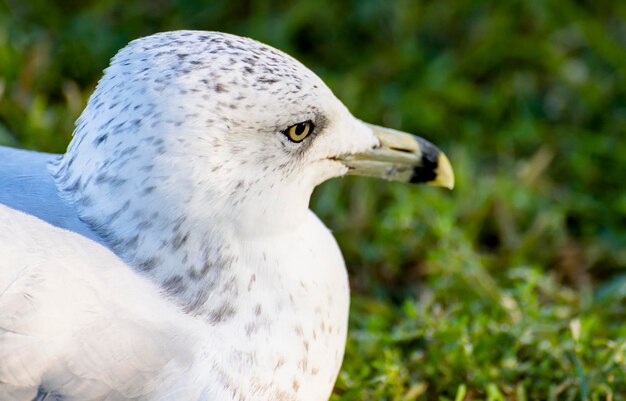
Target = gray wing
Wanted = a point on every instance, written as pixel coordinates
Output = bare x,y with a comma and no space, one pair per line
26,185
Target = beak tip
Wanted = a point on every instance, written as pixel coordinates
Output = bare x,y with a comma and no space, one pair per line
445,173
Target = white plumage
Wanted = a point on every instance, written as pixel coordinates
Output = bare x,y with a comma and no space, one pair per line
76,321
170,253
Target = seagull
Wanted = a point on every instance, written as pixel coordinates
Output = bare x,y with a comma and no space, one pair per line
170,253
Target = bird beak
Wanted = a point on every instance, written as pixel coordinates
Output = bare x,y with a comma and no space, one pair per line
401,157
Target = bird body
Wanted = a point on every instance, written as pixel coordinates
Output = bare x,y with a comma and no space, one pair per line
170,253
265,344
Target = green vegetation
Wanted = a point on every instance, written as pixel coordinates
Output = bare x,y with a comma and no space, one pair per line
510,287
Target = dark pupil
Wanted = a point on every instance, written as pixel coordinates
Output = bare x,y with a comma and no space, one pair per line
300,129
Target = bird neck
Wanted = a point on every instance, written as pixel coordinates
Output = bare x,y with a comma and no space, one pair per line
190,248
191,256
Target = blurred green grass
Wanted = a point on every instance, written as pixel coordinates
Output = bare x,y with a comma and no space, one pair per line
511,287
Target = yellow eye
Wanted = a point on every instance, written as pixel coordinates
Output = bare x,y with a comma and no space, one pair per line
296,133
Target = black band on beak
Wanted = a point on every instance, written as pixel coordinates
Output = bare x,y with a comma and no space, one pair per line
427,171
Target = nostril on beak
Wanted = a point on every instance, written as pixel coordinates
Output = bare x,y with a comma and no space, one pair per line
401,149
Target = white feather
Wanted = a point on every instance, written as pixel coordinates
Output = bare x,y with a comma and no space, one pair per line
180,261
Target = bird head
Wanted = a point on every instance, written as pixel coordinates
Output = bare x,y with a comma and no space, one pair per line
216,126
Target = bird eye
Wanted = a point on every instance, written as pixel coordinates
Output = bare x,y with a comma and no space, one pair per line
296,133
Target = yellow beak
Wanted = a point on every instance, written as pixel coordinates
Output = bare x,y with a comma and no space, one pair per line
401,157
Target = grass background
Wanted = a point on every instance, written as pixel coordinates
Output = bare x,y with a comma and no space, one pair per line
511,287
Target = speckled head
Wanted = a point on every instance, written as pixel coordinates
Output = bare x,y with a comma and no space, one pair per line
191,119
213,126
